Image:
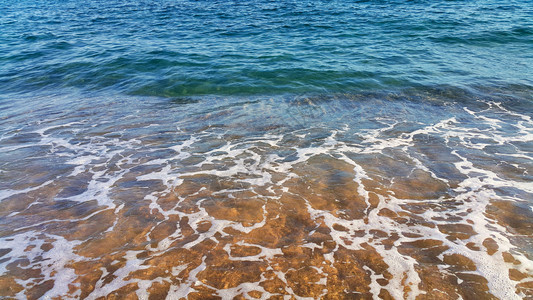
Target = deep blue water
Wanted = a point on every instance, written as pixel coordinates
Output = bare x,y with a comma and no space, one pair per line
186,48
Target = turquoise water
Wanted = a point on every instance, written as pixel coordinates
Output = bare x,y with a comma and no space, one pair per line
266,149
187,48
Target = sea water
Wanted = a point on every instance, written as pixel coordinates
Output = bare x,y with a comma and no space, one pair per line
266,149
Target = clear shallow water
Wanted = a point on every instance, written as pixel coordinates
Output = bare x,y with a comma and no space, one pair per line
422,195
266,150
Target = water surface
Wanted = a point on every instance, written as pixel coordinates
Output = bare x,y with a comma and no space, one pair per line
266,150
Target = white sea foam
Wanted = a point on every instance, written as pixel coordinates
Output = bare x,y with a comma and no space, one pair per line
52,263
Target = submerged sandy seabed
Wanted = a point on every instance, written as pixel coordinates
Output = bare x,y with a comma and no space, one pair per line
433,207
